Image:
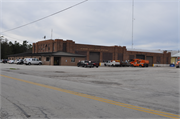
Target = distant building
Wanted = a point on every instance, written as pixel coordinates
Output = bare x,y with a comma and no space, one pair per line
175,58
60,52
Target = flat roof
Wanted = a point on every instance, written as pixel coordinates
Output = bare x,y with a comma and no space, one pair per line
145,50
176,55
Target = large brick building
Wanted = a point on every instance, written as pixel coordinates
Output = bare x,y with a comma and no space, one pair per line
60,52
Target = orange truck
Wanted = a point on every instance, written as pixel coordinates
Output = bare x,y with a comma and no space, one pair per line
178,64
139,63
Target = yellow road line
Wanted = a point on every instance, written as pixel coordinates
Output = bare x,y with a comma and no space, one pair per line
164,114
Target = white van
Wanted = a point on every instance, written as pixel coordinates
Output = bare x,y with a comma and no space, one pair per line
29,61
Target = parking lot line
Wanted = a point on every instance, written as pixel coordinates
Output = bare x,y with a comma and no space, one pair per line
155,112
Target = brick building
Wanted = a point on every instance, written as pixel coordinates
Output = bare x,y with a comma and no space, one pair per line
60,52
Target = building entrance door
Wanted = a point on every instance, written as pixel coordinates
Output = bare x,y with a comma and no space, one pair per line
150,58
57,60
94,56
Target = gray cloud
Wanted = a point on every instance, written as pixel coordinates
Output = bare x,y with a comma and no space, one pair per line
103,22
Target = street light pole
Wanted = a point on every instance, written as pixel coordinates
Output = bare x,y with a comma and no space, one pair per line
132,20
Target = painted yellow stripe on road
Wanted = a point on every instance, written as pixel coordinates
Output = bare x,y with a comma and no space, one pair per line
164,114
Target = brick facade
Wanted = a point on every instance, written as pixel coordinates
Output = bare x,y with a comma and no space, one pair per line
64,61
104,52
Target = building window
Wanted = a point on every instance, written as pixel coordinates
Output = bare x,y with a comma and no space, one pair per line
107,56
72,59
47,58
120,56
53,47
158,60
131,57
39,59
64,47
167,61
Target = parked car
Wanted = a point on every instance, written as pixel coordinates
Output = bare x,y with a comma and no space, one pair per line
0,61
85,63
4,61
29,61
16,61
20,61
178,64
125,64
11,61
112,63
95,64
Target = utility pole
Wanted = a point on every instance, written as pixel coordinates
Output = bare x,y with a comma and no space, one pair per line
132,20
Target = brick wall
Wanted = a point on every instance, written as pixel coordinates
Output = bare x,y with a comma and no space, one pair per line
115,50
66,61
118,52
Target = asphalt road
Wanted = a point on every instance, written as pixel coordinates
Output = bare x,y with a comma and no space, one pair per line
75,92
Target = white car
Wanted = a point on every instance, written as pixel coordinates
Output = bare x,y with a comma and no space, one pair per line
16,61
29,61
11,61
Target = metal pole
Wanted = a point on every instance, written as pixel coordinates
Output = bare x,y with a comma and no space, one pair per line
132,20
178,26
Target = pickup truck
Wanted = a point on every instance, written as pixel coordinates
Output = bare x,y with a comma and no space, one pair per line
112,63
139,63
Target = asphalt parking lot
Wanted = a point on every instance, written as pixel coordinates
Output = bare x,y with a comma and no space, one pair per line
153,87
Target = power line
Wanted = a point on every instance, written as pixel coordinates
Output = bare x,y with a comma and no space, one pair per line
44,17
12,38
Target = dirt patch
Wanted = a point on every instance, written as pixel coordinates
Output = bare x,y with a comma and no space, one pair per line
22,73
107,83
4,114
59,72
67,76
6,70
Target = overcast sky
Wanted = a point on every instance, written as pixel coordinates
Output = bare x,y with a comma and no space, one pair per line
96,22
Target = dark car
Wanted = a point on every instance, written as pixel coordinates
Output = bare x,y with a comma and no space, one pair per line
125,64
95,64
20,61
4,61
85,63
